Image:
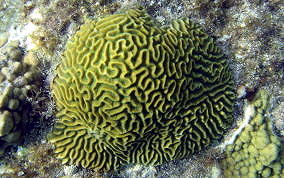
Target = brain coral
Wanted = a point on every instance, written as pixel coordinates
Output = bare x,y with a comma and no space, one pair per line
128,91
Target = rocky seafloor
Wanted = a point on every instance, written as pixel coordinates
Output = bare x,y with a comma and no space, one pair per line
33,35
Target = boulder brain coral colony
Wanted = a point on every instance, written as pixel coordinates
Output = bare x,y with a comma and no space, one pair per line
128,91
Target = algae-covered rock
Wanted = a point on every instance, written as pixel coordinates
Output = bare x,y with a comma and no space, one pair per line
128,91
263,157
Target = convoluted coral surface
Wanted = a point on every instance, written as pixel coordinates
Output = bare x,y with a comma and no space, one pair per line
128,91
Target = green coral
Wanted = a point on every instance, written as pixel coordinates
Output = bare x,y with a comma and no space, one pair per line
128,91
256,151
17,78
